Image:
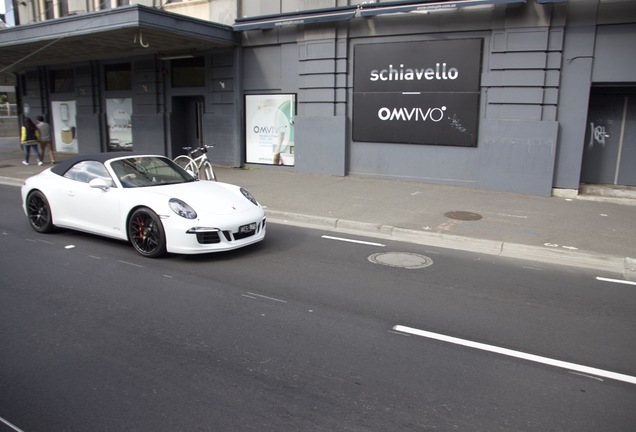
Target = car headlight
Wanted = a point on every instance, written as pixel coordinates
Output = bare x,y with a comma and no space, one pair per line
249,196
182,209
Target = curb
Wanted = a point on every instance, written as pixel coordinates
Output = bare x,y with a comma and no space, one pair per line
490,247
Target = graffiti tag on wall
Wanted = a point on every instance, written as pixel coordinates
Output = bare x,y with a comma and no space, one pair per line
597,135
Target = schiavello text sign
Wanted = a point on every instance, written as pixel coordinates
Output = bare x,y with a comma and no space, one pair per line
417,92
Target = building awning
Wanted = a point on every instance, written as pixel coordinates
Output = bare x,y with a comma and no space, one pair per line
119,33
264,22
368,10
288,19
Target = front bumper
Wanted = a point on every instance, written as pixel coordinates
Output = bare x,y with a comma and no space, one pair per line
201,238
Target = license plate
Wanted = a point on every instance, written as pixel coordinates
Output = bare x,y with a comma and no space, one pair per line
248,228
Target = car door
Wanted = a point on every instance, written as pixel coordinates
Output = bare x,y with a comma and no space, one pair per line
88,208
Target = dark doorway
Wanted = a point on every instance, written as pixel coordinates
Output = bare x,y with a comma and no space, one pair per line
187,123
609,156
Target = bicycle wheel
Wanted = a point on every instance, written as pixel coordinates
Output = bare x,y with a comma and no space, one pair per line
208,171
188,164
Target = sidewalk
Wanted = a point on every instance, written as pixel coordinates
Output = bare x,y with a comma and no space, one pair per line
598,234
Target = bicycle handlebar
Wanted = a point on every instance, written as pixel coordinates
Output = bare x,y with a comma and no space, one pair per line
207,146
203,149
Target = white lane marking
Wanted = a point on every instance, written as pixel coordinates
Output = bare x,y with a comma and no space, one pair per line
399,333
69,247
266,297
619,281
16,429
518,354
531,268
587,376
131,264
353,241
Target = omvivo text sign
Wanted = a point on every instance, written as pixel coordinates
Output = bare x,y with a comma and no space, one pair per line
417,92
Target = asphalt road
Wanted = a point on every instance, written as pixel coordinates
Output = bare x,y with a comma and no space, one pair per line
298,333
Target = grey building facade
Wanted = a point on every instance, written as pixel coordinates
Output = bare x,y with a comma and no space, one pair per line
513,95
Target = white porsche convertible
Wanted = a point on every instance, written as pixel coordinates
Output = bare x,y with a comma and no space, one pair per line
147,200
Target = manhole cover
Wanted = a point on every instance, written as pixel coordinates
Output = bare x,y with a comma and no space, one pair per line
401,259
463,215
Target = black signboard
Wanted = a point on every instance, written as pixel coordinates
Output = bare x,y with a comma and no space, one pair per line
417,92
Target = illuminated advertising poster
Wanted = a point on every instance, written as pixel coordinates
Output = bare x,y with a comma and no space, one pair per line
118,116
269,129
64,127
417,92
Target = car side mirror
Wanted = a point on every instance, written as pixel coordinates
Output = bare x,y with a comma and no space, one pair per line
99,183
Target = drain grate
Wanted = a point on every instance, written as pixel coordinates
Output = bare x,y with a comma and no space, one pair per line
401,259
463,215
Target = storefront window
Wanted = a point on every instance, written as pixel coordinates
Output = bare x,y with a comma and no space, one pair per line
119,117
49,9
118,77
269,129
63,116
188,72
62,8
62,81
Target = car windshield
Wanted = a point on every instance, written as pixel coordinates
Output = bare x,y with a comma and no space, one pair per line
145,171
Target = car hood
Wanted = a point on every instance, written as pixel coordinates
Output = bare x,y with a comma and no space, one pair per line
205,196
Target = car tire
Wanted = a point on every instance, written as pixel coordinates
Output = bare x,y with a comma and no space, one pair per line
39,212
146,233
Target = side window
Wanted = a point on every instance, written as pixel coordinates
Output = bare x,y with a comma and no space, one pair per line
86,171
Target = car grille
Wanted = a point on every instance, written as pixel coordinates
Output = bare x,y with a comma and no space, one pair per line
213,237
208,237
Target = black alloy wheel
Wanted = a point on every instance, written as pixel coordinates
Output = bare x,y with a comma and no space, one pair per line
146,233
39,212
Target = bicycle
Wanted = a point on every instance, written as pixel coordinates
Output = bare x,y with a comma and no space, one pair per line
199,165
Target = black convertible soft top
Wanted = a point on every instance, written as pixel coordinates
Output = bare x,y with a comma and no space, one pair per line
61,168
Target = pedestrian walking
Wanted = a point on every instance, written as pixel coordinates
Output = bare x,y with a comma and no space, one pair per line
30,137
45,138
